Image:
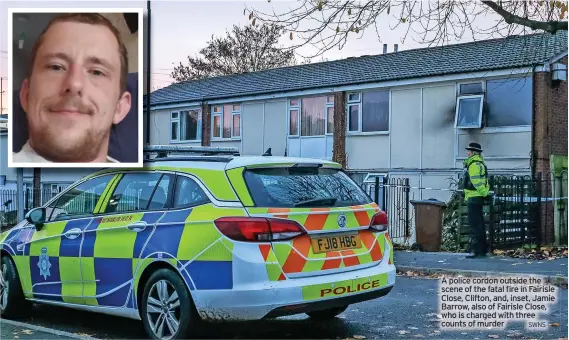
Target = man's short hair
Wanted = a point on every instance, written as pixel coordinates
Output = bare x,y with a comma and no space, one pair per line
91,19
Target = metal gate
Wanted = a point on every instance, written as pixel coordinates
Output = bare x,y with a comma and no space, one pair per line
392,196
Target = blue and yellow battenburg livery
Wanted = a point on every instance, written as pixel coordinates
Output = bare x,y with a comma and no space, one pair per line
222,254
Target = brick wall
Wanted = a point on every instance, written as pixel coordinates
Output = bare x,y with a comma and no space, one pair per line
206,124
339,148
549,137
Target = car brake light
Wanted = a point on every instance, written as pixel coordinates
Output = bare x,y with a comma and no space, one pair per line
258,229
379,221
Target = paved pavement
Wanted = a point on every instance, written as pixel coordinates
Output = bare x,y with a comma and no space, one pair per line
10,329
448,262
409,311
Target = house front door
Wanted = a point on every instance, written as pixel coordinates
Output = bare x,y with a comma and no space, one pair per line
264,127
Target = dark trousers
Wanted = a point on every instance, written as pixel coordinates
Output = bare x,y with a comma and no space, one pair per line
477,227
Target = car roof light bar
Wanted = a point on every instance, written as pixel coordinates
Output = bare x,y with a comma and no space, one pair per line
162,151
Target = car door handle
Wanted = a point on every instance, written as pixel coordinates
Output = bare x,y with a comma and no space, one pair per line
137,226
73,233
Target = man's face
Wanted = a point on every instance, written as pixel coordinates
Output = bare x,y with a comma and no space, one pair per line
73,96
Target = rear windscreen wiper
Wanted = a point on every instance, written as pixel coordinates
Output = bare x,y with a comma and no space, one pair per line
317,201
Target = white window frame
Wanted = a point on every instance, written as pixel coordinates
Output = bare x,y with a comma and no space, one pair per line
233,114
221,114
349,104
511,128
179,131
458,99
481,82
329,105
460,96
172,121
486,129
297,108
359,104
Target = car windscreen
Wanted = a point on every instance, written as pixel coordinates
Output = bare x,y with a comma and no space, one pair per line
303,188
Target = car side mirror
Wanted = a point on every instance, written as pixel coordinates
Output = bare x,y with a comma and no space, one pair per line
36,216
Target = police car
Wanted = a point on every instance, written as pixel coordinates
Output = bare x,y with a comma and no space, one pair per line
201,234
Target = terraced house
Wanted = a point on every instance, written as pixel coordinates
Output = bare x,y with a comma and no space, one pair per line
406,114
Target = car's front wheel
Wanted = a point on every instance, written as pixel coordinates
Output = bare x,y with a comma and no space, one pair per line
167,308
13,304
327,314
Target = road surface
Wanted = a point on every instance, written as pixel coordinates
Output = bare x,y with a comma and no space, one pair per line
408,312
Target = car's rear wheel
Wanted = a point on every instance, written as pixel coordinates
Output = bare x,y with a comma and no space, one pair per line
167,308
13,304
327,314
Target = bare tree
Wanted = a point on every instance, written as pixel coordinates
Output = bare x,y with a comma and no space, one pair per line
249,49
327,24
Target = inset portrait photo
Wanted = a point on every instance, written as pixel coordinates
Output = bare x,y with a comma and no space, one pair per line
75,79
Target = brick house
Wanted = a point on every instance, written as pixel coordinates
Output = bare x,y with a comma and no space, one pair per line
405,114
550,138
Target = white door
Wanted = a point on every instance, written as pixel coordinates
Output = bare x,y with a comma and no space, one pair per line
252,121
264,126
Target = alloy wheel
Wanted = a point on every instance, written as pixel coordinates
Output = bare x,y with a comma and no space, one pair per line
4,286
163,310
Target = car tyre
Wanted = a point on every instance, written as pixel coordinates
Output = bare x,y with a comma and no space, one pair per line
13,304
167,308
327,314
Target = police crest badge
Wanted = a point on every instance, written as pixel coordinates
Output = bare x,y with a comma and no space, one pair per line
342,220
44,263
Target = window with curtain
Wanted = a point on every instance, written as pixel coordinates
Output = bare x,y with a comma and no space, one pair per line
375,111
226,121
312,116
189,125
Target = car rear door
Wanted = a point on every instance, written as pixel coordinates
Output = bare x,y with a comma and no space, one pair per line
335,213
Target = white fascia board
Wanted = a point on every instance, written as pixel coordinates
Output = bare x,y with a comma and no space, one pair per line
363,86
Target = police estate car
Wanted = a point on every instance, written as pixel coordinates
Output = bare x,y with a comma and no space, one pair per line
192,237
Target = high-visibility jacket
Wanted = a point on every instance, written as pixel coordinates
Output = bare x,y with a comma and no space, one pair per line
475,177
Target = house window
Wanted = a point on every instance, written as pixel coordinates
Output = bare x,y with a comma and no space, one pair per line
226,121
469,104
185,125
293,120
470,88
509,102
310,117
174,126
313,116
502,102
469,111
368,111
329,119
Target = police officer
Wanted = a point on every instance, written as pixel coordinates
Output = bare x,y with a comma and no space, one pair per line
476,190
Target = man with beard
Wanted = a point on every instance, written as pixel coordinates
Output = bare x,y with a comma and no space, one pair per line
75,90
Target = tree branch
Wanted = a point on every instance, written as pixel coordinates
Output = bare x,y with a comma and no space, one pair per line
510,18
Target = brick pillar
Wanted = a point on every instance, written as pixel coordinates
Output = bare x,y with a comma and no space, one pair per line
206,124
339,148
549,137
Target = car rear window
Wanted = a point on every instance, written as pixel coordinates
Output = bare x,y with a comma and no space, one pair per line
303,188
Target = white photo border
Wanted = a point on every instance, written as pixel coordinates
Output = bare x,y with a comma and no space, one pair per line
140,57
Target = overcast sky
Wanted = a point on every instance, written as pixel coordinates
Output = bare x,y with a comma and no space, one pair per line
182,28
